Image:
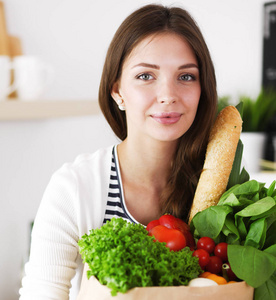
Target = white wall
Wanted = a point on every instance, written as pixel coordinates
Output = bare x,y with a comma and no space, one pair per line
73,36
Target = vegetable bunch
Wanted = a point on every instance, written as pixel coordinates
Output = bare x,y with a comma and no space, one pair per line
245,218
122,255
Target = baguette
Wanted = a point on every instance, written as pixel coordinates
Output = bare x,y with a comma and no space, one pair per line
220,154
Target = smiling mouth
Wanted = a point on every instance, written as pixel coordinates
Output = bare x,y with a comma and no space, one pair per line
166,118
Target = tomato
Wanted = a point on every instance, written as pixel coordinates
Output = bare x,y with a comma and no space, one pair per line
174,239
152,224
168,221
221,251
207,244
190,240
214,265
172,222
203,257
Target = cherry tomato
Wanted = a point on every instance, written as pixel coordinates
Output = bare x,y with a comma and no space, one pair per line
221,251
152,224
173,238
207,244
214,265
203,257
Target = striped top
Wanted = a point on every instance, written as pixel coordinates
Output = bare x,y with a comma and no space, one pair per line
115,201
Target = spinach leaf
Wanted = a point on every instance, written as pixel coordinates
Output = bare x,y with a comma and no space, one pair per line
210,221
250,264
240,223
231,200
247,188
235,175
271,188
256,234
271,235
271,250
270,213
249,214
230,231
257,208
267,290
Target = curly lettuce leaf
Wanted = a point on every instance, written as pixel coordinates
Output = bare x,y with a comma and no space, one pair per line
121,256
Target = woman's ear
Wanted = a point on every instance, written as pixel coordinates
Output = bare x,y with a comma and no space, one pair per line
115,94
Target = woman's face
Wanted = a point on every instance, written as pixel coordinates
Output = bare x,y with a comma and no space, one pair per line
160,88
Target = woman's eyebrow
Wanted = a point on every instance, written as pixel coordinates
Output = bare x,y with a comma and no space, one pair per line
188,66
153,66
147,65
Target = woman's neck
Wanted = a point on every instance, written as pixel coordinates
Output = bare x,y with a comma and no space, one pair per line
147,163
145,168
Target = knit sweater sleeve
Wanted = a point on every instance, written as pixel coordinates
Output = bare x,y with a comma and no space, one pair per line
54,246
73,203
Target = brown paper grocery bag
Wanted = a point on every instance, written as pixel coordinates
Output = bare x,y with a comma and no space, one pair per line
92,289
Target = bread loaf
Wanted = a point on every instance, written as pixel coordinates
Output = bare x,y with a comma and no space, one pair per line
220,154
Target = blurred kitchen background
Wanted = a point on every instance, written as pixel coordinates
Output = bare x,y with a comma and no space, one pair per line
72,37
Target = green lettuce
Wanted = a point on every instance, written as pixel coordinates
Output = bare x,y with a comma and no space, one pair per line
121,255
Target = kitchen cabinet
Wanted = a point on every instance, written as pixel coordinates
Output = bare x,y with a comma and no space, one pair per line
16,110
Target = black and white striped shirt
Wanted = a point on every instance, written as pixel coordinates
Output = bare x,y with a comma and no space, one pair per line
115,201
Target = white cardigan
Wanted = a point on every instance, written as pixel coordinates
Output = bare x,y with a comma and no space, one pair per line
74,202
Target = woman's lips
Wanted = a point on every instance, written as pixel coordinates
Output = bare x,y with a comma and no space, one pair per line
166,117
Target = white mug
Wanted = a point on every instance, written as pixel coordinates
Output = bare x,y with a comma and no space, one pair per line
32,77
5,77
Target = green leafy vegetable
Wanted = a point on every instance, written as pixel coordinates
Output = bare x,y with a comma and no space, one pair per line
236,176
248,261
245,218
122,255
267,290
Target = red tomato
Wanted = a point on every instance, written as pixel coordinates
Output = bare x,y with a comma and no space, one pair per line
221,251
215,265
152,224
190,240
203,257
173,238
172,222
207,244
168,221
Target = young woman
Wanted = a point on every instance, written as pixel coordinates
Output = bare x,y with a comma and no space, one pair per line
158,93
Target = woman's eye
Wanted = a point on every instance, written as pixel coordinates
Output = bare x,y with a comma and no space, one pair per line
145,76
187,77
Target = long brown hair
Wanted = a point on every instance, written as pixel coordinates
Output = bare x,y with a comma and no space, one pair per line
151,19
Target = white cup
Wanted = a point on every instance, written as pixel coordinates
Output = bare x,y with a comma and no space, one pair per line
32,77
5,77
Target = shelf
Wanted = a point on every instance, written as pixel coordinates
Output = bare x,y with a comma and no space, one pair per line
16,110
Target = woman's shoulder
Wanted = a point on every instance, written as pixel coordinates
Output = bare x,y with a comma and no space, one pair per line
86,167
100,157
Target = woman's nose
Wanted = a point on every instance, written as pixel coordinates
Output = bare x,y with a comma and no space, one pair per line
167,93
167,100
